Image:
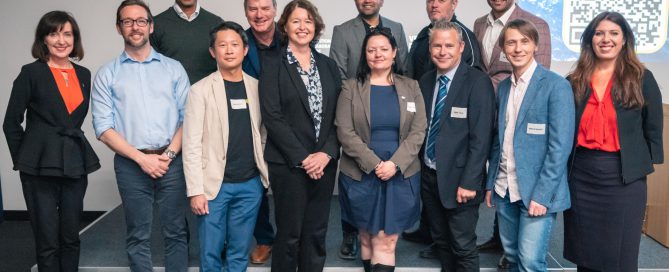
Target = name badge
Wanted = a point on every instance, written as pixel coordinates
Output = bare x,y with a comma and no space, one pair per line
411,106
238,104
536,129
458,112
502,58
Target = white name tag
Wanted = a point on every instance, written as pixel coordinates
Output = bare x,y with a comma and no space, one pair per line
411,106
238,104
502,58
458,112
537,129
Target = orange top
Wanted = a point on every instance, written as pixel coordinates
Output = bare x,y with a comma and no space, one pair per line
598,129
68,85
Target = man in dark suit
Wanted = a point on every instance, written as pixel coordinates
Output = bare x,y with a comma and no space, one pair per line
263,38
419,63
460,105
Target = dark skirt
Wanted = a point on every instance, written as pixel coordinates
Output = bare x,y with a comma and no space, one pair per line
602,230
373,205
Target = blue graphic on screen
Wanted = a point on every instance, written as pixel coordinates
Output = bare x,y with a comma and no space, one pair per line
568,18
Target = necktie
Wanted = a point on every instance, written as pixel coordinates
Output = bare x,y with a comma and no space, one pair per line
436,116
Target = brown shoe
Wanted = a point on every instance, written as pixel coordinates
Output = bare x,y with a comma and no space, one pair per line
261,254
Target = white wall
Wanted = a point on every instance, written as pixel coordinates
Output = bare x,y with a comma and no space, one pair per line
102,43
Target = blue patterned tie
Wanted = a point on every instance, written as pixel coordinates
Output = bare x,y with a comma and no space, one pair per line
436,116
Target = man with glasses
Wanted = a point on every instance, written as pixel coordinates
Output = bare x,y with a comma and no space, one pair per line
182,32
138,106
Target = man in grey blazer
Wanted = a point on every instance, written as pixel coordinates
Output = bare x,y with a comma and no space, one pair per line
345,49
347,38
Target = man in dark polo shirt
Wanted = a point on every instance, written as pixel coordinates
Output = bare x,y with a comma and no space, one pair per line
182,32
263,38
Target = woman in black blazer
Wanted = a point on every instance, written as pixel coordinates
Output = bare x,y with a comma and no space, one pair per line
52,154
618,139
298,92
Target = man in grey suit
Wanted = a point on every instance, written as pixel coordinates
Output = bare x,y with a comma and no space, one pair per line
347,38
345,49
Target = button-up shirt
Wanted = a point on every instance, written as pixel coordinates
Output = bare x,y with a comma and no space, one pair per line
450,74
141,100
507,178
493,30
183,15
312,81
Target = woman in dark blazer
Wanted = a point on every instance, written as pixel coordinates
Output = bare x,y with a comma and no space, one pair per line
298,92
52,154
618,139
381,125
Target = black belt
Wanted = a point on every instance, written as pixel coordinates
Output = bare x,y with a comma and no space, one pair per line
158,151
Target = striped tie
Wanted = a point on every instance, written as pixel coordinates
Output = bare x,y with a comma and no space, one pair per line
436,116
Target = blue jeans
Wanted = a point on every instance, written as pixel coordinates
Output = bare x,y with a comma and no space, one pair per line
525,238
139,192
231,220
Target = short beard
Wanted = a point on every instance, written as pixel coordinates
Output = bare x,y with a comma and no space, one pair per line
370,16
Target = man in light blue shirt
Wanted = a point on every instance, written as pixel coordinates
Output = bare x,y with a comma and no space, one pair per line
137,104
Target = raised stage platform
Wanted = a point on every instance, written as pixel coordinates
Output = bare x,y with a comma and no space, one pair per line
103,248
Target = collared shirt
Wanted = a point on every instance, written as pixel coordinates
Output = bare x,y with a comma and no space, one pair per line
368,27
312,81
450,74
492,32
142,101
183,15
507,178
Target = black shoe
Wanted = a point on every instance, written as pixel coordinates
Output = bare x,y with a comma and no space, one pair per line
429,252
417,236
349,247
382,268
504,264
492,245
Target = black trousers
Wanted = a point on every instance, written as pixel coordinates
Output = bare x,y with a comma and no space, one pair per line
264,232
302,208
55,205
453,230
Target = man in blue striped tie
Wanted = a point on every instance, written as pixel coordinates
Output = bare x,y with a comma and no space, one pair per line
460,104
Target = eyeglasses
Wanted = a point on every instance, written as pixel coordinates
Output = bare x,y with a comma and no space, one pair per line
141,22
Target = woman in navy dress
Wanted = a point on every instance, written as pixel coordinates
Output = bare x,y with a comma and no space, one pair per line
381,126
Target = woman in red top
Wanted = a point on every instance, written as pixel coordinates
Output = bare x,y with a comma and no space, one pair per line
619,138
51,153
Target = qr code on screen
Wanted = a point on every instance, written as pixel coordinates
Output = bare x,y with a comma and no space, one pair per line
648,19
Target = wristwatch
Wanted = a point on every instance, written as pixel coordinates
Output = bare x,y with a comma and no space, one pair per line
170,154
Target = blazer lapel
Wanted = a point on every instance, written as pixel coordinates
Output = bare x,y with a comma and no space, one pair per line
60,103
253,102
454,90
358,33
428,94
327,83
503,93
221,102
530,95
297,82
402,95
365,97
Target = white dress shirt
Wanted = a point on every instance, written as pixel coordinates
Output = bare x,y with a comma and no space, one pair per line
183,15
493,30
507,178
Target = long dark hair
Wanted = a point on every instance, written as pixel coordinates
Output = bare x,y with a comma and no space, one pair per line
628,73
363,67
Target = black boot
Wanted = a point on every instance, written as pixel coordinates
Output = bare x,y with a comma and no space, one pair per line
367,265
383,268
